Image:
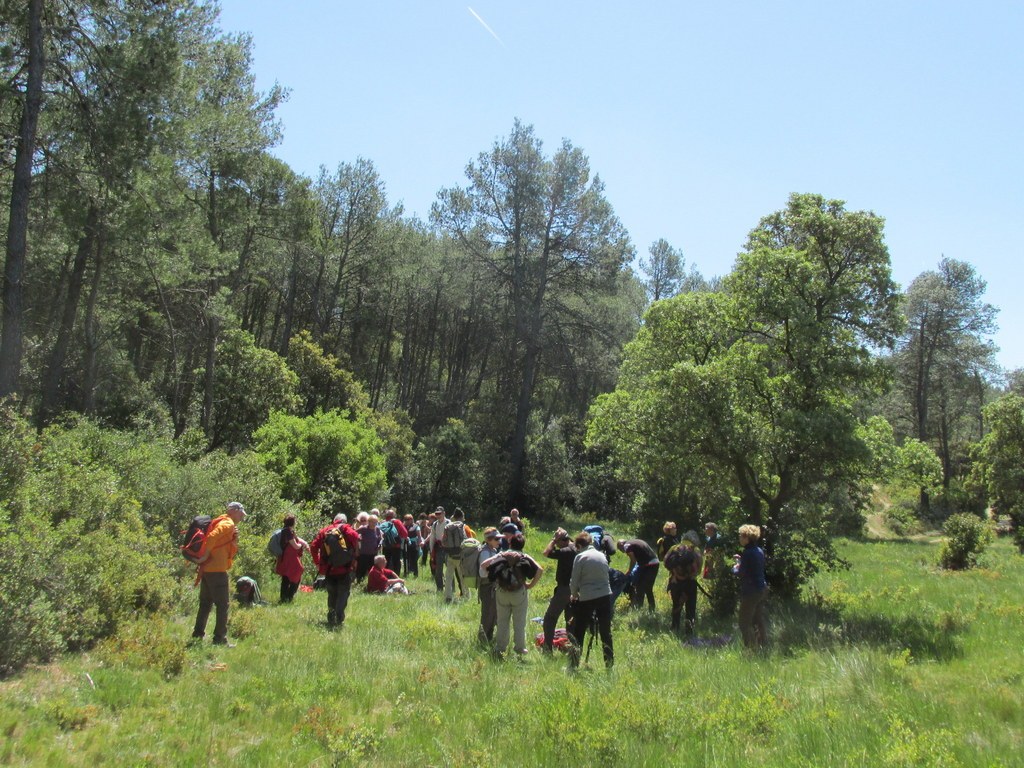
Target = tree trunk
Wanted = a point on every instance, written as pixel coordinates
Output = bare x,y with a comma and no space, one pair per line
213,331
92,342
12,341
54,372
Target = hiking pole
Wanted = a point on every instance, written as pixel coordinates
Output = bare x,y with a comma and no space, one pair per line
703,591
594,626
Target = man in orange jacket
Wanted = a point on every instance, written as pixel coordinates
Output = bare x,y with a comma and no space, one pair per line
220,548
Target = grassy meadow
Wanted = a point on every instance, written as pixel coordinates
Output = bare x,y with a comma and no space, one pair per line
890,663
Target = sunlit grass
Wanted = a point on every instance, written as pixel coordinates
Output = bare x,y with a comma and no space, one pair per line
890,663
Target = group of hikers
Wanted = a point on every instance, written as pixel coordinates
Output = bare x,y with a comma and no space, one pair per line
385,550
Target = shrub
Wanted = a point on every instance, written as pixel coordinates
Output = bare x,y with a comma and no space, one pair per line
966,538
333,452
902,519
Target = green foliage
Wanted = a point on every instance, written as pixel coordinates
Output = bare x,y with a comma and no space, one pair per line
966,538
323,384
751,391
250,383
998,468
334,456
918,466
445,469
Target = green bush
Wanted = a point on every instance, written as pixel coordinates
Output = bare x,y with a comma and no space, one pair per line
966,538
902,519
332,452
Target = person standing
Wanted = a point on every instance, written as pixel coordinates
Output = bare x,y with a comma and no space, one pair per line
411,556
394,536
369,545
486,588
334,550
643,567
750,567
515,574
683,563
561,550
714,546
220,548
289,565
668,540
591,597
454,533
437,556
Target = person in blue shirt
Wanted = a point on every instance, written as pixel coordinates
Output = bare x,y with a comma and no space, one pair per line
753,588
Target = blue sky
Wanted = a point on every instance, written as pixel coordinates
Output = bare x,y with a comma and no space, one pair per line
699,117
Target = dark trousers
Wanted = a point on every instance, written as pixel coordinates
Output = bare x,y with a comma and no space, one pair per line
213,591
583,615
439,560
363,565
338,588
412,561
424,555
288,589
394,559
684,594
643,586
488,611
557,606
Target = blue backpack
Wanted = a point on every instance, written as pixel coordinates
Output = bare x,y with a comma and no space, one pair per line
596,533
389,532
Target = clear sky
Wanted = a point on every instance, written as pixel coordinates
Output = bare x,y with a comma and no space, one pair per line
700,117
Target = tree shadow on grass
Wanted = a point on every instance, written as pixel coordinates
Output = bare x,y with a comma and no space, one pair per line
802,626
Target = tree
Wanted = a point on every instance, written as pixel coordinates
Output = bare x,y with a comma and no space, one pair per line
664,270
998,461
752,389
12,339
943,359
249,384
545,234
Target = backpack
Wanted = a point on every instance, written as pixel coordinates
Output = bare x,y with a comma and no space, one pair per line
597,534
335,548
193,544
274,546
470,562
451,540
682,561
511,571
389,533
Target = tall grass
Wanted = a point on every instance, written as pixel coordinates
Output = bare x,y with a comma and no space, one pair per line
893,663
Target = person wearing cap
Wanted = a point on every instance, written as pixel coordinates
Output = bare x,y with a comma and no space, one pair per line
220,547
561,550
338,578
452,560
507,529
486,588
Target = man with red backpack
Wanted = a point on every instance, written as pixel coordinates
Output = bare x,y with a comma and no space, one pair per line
215,558
334,550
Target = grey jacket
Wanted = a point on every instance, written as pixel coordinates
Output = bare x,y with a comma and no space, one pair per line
589,575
